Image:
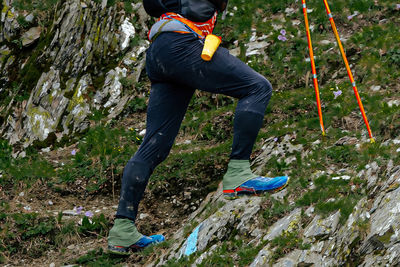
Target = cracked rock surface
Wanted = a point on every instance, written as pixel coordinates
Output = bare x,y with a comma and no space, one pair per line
79,54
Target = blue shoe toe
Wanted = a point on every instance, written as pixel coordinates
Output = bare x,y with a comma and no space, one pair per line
148,240
266,183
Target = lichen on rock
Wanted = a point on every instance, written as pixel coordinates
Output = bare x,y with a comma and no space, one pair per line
83,43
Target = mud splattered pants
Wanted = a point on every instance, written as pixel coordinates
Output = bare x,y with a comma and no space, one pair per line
176,69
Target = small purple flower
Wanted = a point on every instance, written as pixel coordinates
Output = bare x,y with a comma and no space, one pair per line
282,38
89,214
73,152
350,17
283,32
78,209
398,6
275,139
337,93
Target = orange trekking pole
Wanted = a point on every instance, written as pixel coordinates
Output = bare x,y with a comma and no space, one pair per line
353,83
314,71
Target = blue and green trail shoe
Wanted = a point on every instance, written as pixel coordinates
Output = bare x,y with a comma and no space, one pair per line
257,186
124,237
239,179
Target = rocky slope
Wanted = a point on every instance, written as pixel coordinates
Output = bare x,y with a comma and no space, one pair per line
369,236
73,67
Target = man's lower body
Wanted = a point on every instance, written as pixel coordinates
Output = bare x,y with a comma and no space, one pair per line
176,69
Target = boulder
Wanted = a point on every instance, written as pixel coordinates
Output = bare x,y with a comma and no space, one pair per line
31,36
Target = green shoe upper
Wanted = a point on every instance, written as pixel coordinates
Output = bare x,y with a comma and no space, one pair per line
124,233
238,173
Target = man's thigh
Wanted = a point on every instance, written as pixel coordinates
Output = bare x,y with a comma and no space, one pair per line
176,57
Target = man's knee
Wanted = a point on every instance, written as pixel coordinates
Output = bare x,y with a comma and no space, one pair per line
261,91
155,150
264,88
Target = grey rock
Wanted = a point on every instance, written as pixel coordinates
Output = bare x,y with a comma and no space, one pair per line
384,223
4,53
372,174
394,180
31,36
112,89
316,143
320,228
309,211
136,55
317,247
127,32
235,51
256,48
346,140
289,11
375,88
70,213
9,25
257,234
289,223
389,166
263,257
305,258
205,255
103,4
78,108
341,245
282,150
143,216
372,260
394,102
343,177
6,64
280,195
392,255
390,258
325,42
29,18
240,211
289,160
45,106
80,38
215,227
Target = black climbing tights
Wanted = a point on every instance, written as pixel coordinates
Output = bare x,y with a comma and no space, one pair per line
176,69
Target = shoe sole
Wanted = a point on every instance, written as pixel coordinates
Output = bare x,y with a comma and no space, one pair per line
235,195
118,253
117,250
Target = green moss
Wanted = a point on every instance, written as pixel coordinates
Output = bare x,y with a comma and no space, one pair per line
97,36
44,117
5,52
4,7
276,209
98,82
385,239
285,243
33,69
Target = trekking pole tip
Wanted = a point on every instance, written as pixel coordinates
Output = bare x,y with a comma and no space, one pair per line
323,134
372,140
